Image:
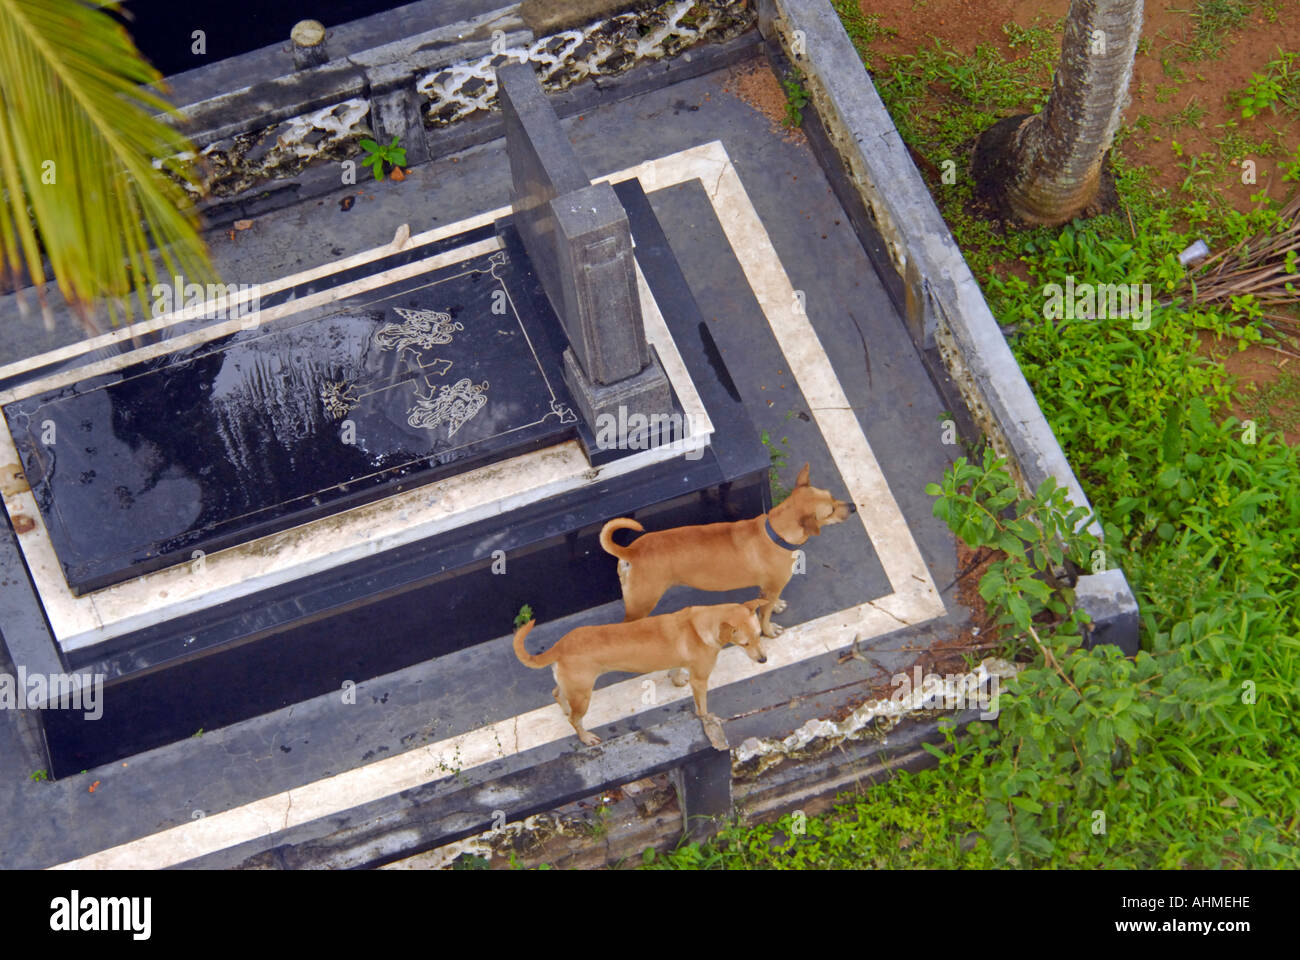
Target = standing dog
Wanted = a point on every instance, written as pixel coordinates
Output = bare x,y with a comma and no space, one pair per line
724,556
691,638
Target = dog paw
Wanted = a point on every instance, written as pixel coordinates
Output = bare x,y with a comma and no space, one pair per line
774,630
713,730
590,739
778,606
679,677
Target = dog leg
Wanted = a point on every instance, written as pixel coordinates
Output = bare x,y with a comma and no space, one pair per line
639,596
579,707
771,592
573,694
679,677
638,604
712,724
769,628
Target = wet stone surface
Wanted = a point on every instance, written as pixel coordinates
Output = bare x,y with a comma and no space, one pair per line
261,430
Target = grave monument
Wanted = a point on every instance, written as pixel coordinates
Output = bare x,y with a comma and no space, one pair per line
237,515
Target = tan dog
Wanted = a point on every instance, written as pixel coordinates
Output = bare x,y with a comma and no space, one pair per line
724,556
691,638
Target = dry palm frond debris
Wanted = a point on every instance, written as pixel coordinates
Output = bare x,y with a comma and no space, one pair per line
1266,266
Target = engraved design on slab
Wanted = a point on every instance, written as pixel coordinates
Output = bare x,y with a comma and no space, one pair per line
563,411
454,406
339,397
420,328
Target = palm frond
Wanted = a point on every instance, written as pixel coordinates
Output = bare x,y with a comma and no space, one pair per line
78,136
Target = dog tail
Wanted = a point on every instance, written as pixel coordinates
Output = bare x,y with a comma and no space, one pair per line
607,535
526,658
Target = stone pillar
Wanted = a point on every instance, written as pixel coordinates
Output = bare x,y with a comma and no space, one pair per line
704,793
1107,598
579,241
308,39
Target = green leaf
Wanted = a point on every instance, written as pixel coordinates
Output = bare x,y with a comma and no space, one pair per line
75,92
1171,444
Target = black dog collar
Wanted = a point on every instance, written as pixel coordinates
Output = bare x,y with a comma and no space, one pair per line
775,537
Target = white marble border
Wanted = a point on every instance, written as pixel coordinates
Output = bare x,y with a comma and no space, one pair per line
914,599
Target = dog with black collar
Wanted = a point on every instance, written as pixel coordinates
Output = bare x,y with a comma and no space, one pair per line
758,552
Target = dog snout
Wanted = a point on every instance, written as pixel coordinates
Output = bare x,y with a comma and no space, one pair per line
853,507
762,658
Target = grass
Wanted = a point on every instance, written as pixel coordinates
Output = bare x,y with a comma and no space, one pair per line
863,29
1190,116
1212,21
1275,404
1187,755
883,830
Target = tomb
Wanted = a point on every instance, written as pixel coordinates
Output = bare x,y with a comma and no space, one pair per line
236,510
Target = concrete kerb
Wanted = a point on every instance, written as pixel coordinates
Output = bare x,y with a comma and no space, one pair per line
384,80
375,72
945,310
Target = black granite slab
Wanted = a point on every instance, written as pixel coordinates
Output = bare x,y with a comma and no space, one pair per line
265,429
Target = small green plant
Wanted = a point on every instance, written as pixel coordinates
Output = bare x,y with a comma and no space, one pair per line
470,861
796,98
380,154
598,826
1291,167
40,775
1262,93
197,733
1278,84
779,457
1044,532
523,616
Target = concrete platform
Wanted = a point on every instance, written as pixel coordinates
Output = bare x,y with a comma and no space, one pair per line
832,376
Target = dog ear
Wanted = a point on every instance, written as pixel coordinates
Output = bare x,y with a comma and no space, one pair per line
753,606
810,525
707,630
802,479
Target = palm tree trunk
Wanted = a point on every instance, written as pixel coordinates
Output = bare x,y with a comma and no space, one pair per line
1046,168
